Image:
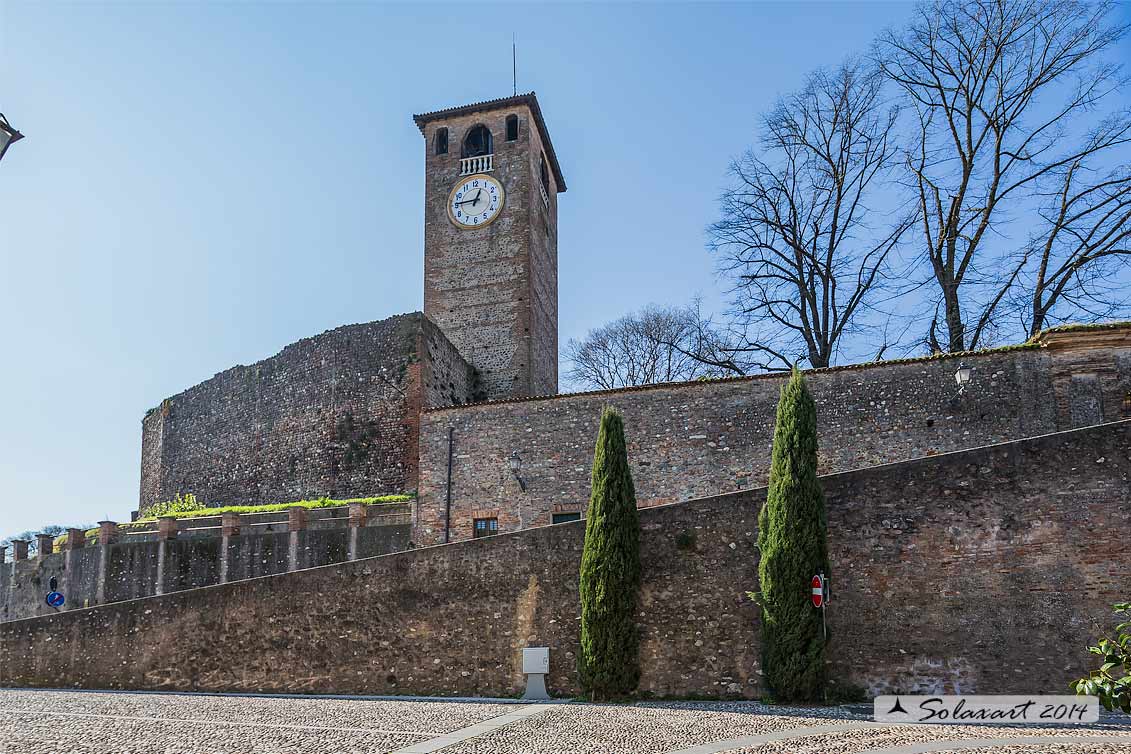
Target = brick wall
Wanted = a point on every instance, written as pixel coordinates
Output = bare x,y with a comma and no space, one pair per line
704,438
326,416
977,571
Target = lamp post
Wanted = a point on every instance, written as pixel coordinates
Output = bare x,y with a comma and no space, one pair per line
514,461
962,377
8,135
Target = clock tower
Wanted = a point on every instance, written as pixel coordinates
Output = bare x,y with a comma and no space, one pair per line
491,241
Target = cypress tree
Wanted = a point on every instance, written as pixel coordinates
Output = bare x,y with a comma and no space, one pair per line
791,539
609,663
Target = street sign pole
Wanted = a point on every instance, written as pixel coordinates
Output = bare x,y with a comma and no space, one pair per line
819,596
824,606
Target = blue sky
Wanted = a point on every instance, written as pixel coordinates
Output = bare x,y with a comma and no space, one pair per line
204,183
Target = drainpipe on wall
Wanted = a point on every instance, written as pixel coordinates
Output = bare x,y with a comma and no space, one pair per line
448,506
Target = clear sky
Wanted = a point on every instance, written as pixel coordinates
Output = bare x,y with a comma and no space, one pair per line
204,183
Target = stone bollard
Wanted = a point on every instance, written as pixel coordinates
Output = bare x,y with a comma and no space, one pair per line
107,532
296,524
76,539
229,524
19,549
167,527
44,545
359,514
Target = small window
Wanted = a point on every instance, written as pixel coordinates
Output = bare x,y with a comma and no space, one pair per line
544,174
565,518
512,128
477,142
485,527
442,141
1125,409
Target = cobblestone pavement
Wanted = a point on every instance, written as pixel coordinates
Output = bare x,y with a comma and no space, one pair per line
54,722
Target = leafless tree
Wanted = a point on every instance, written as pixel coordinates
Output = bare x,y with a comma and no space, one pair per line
656,344
997,87
805,253
1086,244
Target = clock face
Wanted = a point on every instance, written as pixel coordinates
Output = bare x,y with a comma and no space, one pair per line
475,201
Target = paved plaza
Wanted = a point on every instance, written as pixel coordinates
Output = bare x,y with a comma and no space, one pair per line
74,722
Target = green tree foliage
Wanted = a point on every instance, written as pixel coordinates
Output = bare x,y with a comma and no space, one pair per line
1112,681
609,662
791,538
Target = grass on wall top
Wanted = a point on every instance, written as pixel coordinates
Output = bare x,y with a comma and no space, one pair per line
322,502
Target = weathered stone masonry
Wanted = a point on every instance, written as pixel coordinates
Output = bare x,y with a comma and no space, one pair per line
494,290
705,438
336,414
976,571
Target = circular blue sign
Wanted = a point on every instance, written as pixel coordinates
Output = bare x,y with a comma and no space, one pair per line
55,599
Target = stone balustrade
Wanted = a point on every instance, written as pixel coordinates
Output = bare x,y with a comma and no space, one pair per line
472,165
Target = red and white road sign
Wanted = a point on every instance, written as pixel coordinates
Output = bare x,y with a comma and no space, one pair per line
818,585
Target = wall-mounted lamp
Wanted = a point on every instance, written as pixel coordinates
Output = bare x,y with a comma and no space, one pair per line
514,461
962,376
8,135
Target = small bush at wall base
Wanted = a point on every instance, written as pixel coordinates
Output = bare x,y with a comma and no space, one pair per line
1112,681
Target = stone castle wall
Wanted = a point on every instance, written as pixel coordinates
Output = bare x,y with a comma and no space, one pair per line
706,438
977,571
336,414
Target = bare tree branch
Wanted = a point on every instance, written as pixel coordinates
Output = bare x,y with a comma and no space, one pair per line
1085,244
656,344
996,86
795,238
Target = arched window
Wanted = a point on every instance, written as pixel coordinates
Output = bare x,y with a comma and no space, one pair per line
477,142
544,174
512,128
441,141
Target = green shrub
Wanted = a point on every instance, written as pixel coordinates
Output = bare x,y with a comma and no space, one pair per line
322,502
791,538
1112,681
609,663
186,504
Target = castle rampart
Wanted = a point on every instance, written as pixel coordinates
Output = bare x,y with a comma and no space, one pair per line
705,438
979,571
333,415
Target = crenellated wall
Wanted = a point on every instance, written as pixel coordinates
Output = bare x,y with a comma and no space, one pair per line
334,415
695,439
